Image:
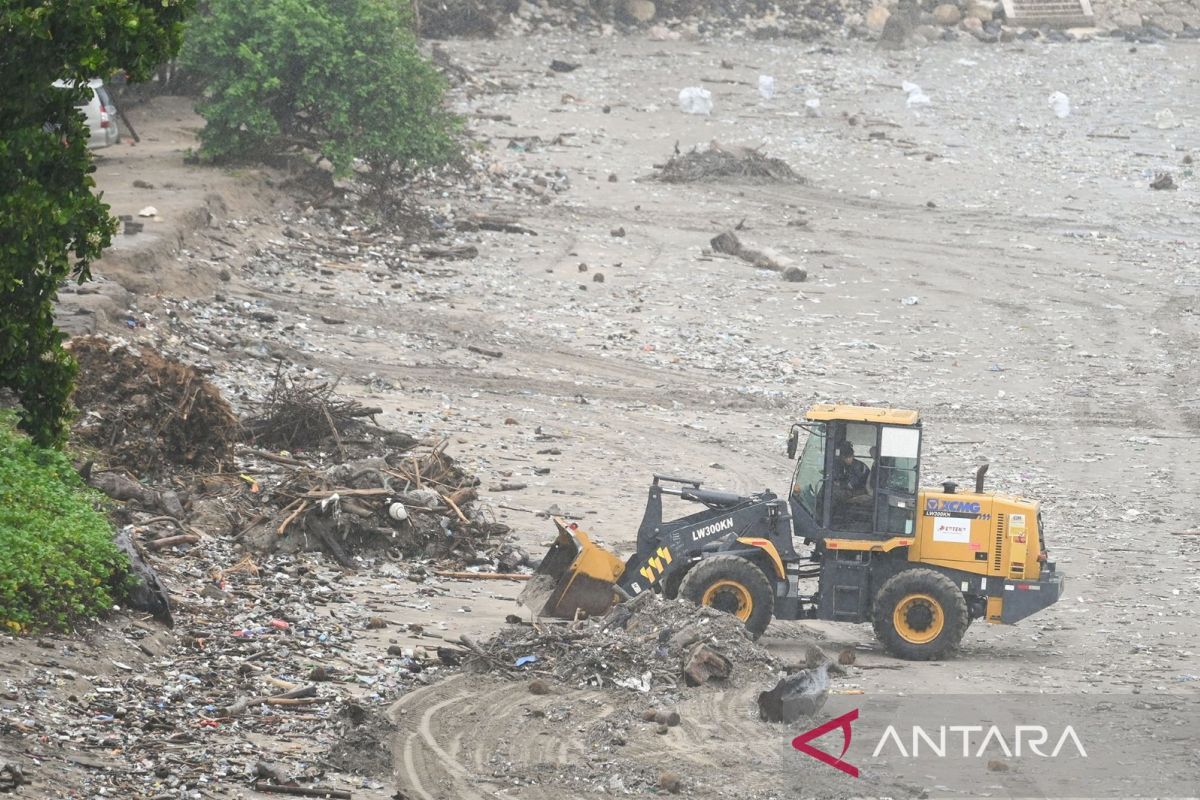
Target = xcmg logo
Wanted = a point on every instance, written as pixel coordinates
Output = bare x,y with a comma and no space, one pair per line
933,505
945,741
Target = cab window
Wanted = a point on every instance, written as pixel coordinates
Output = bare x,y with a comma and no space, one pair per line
810,470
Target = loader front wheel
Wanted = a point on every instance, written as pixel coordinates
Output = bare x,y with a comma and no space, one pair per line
732,584
920,615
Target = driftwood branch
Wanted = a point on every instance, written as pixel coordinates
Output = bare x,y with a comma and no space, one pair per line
124,489
286,699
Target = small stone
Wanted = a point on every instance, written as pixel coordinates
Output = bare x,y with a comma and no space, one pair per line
510,421
612,178
214,592
661,730
847,657
539,686
972,25
375,623
795,275
650,714
670,782
318,674
618,232
996,765
395,650
598,277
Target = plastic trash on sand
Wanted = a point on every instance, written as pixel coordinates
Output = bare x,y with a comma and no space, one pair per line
1060,104
766,86
916,97
695,100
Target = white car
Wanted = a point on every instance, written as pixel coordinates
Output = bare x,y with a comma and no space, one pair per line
100,112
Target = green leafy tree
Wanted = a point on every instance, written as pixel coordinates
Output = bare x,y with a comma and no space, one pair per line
52,225
342,78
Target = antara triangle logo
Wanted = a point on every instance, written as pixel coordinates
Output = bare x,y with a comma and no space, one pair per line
801,742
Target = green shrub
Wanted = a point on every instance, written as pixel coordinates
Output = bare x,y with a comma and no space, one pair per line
342,78
58,562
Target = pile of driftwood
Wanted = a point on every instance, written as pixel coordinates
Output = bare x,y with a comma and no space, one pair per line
297,415
719,163
418,505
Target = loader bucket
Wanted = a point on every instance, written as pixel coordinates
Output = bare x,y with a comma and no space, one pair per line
575,576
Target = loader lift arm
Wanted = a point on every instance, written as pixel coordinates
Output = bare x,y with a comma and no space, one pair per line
666,550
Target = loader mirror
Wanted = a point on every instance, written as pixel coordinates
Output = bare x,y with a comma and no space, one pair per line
793,442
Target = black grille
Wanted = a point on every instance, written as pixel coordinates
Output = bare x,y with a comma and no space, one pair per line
1001,527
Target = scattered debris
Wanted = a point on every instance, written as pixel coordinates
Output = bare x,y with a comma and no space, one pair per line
801,694
1163,180
718,163
646,645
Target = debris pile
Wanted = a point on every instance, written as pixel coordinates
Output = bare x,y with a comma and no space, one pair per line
299,414
718,163
320,478
148,413
415,505
647,644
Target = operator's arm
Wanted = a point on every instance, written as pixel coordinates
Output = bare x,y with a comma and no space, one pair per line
858,476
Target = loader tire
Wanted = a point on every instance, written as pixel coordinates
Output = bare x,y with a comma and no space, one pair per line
920,615
735,585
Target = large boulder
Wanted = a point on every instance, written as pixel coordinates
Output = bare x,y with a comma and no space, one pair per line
980,12
947,14
641,10
1127,18
876,18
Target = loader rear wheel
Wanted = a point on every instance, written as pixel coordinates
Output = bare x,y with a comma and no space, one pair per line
732,584
920,615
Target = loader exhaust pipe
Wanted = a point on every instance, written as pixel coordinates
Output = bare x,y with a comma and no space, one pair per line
979,474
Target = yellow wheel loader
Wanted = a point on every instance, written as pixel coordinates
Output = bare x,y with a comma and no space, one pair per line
920,564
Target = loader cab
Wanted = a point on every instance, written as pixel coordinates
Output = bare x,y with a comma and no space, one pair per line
857,474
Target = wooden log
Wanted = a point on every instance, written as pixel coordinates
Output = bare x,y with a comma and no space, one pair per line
118,487
148,595
171,541
278,459
482,576
303,791
241,706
